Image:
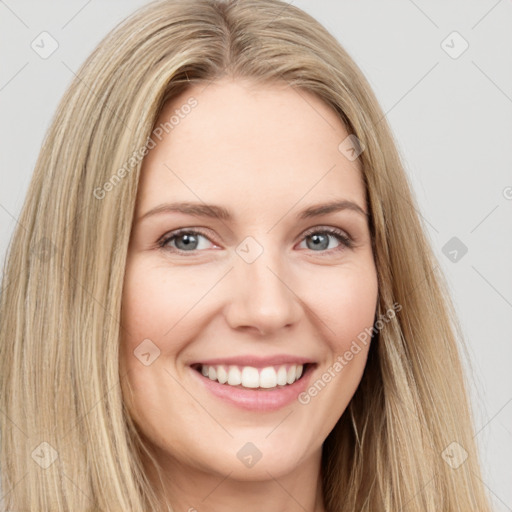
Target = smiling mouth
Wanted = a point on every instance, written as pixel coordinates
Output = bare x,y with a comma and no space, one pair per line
250,377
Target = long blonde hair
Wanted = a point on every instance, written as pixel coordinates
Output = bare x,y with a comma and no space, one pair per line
67,440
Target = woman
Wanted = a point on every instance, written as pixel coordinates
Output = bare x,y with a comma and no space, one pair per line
220,292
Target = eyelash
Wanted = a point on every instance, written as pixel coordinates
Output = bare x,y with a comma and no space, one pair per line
344,239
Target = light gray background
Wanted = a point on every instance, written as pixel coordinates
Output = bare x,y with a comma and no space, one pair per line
451,118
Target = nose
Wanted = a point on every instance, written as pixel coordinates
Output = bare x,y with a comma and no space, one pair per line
262,297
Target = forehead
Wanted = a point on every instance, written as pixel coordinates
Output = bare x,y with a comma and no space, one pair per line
230,141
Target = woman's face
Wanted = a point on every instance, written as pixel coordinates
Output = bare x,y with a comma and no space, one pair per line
249,289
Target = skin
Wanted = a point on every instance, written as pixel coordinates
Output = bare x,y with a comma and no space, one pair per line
265,153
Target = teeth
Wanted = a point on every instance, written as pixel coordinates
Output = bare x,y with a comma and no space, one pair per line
268,377
234,376
250,377
222,374
292,372
281,376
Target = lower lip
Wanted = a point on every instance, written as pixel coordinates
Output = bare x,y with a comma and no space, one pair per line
257,399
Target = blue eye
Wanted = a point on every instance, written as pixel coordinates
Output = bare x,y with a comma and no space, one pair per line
189,240
320,238
186,241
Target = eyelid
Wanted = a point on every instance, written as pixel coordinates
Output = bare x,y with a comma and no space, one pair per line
167,237
326,229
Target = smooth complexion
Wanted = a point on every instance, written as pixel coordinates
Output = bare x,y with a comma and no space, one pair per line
265,154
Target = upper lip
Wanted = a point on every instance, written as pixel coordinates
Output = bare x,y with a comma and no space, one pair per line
255,361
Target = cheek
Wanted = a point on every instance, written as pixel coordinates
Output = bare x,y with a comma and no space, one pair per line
346,304
158,322
347,309
147,314
152,338
154,302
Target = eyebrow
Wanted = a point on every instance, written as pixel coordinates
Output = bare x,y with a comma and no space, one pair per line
219,212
